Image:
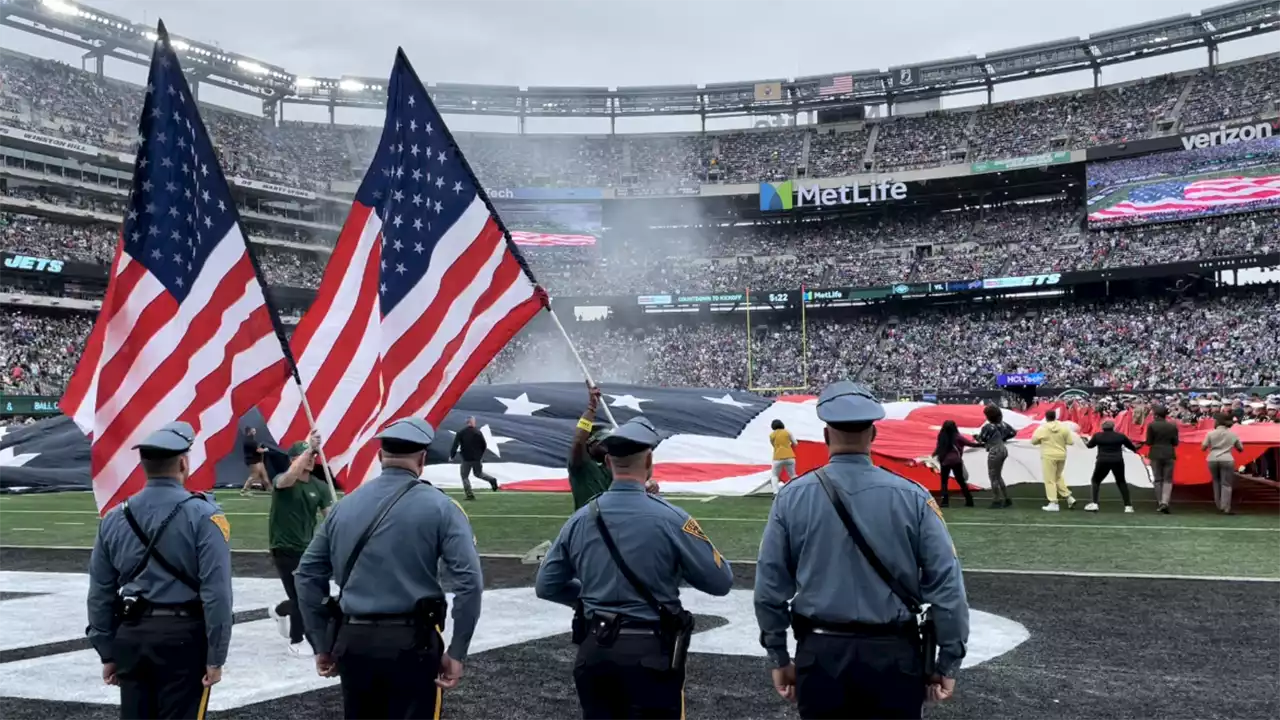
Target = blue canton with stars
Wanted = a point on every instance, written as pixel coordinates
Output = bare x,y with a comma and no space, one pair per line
180,207
417,184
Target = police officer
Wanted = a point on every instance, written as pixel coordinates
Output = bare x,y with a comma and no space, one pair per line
631,647
859,649
383,636
161,621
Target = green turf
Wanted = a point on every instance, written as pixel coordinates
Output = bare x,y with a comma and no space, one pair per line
1194,540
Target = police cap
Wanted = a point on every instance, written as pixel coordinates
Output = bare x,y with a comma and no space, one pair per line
848,402
633,436
408,434
169,441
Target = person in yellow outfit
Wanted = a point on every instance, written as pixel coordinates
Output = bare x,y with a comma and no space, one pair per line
784,454
1053,438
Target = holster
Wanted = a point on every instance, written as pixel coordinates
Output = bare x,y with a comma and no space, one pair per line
676,631
929,643
579,626
333,609
428,621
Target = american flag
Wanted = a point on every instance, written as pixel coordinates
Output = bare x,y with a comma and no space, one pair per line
423,288
838,85
184,332
1176,197
537,239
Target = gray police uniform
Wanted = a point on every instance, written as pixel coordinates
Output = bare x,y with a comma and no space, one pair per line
624,662
858,651
388,645
159,627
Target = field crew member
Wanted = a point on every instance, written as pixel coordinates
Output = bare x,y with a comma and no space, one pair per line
161,621
619,562
471,443
1054,438
784,454
588,474
1162,451
384,546
859,643
296,501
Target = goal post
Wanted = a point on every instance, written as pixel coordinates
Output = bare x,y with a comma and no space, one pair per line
804,351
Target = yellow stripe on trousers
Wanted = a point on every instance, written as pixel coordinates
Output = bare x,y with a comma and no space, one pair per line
439,690
204,704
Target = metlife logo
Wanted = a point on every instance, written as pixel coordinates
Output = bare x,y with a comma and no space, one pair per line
1226,136
787,195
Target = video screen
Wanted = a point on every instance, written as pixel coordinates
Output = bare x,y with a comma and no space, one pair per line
556,219
1217,180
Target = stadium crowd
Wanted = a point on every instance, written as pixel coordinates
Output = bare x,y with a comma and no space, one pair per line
103,112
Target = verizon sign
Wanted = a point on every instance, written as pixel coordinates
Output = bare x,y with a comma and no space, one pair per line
1226,136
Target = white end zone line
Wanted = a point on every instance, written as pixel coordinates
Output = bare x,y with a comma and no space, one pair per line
980,571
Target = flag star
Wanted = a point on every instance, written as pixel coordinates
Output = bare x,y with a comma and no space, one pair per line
185,170
164,61
383,263
412,101
400,171
397,222
428,128
164,162
417,224
182,144
417,200
417,174
413,150
204,170
135,236
150,209
222,206
207,222
188,267
173,211
397,245
400,148
457,187
440,182
397,124
439,207
133,214
727,399
386,172
182,97
177,258
205,195
187,193
492,441
178,282
154,253
170,186
417,247
175,235
520,405
140,140
143,163
155,111
397,196
440,157
146,186
382,288
171,92
413,125
630,402
176,116
377,194
162,137
153,231
400,268
150,88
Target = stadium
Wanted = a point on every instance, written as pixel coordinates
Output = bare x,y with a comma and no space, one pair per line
1096,252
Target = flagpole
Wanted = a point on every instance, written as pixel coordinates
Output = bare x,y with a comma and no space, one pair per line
581,365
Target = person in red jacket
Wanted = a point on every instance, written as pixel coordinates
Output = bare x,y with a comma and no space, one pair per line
950,452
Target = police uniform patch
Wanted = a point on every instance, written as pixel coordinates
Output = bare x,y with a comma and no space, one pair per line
933,505
691,526
223,524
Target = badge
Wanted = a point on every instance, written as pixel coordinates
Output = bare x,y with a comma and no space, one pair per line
223,524
691,526
933,505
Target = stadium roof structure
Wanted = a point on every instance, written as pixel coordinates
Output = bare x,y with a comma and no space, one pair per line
104,35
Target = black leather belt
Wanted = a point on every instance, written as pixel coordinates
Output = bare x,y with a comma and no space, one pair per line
380,620
174,611
857,629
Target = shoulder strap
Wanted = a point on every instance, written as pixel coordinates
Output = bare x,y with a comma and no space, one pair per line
640,587
906,597
368,532
152,551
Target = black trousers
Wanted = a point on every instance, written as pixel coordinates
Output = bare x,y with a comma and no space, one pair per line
958,472
286,561
1100,471
630,679
386,673
160,662
859,677
467,467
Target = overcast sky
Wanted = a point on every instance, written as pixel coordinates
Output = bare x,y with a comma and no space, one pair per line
629,42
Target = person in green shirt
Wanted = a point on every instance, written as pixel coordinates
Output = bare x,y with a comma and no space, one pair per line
298,499
588,474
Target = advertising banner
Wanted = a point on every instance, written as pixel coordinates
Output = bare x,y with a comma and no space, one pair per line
33,405
548,193
1050,158
48,266
1020,379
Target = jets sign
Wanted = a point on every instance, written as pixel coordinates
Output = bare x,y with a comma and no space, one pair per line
38,264
50,608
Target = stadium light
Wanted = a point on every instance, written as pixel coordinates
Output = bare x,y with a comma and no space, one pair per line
179,45
351,85
59,6
251,67
306,82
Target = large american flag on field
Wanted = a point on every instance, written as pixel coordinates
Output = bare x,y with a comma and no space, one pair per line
838,85
1174,197
423,288
184,332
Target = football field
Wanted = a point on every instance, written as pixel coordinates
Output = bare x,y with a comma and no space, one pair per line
1074,615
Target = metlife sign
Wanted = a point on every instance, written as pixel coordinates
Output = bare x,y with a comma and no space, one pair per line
783,196
1226,136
